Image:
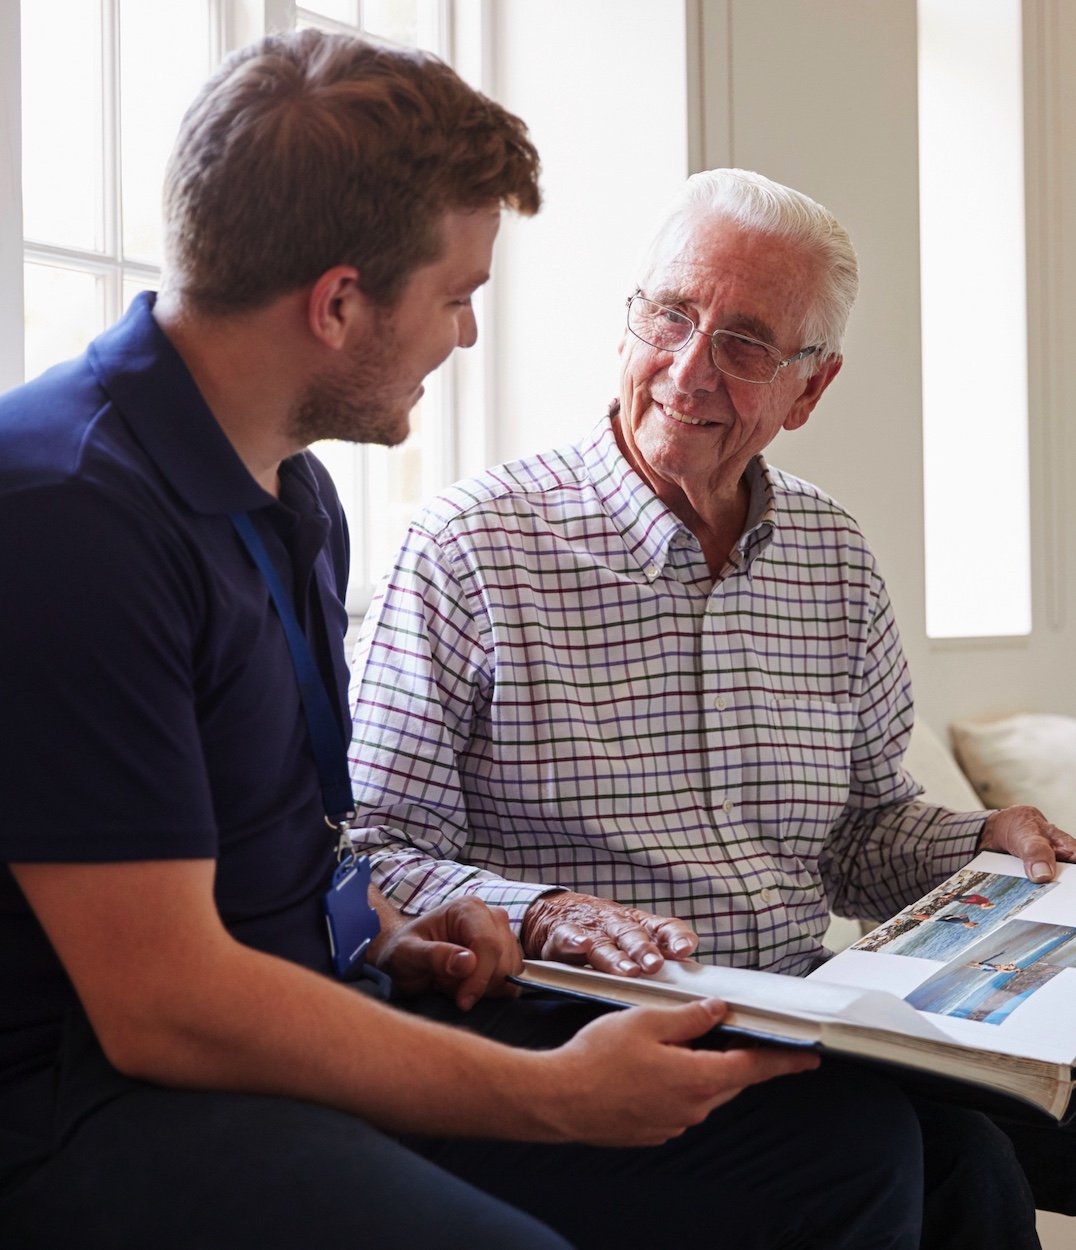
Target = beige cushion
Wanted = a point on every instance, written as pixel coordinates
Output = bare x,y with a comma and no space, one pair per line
1030,758
931,763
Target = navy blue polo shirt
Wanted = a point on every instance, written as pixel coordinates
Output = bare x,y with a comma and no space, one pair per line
148,703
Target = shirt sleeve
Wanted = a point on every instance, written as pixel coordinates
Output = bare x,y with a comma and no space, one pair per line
421,675
889,848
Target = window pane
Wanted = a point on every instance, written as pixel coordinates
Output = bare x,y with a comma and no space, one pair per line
64,310
394,493
62,124
975,437
335,10
345,464
381,490
164,59
392,19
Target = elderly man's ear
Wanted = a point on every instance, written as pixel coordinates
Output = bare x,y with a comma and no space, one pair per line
813,388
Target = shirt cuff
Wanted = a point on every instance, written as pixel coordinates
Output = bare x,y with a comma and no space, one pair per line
514,896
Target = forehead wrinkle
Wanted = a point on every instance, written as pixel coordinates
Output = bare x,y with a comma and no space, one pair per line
713,262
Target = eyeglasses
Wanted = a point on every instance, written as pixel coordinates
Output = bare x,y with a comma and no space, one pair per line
737,355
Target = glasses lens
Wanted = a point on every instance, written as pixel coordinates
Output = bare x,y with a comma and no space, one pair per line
657,325
745,358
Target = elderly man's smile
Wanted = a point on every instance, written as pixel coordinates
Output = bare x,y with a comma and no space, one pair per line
683,418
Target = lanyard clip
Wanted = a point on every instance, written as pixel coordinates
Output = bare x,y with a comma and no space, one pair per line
341,826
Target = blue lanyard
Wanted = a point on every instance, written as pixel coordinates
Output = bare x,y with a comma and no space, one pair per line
326,740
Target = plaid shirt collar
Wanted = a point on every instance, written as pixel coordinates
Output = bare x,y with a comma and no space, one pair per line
647,525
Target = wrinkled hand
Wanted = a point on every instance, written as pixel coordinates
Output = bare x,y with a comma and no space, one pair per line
578,929
656,1087
1026,833
462,948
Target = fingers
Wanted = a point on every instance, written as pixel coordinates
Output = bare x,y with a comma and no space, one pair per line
626,952
1026,833
463,948
489,943
492,965
658,1086
763,1063
578,928
677,939
686,1023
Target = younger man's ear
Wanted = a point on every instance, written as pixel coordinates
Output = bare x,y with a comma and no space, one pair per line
335,302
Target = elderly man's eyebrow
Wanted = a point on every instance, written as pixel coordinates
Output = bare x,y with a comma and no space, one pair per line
741,323
667,295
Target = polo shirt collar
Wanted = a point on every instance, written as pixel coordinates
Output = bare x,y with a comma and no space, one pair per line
647,525
145,378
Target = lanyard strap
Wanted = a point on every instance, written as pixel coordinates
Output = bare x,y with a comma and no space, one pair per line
330,751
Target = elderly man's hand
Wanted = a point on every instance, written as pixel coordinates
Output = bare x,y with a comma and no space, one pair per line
1026,833
462,948
578,928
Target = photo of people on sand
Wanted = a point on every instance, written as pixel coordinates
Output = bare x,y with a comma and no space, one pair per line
968,906
998,973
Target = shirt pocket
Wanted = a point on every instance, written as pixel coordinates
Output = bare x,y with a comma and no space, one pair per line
804,789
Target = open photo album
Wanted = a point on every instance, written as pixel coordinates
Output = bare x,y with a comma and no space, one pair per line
970,992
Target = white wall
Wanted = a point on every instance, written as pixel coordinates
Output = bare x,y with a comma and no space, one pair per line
602,86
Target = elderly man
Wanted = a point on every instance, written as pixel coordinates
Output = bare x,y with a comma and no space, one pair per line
646,692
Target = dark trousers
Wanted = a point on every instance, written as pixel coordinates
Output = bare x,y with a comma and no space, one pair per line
1048,1157
828,1159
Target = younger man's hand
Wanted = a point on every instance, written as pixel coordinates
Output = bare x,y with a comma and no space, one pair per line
462,948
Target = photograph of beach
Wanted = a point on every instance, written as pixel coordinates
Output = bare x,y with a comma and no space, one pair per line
962,910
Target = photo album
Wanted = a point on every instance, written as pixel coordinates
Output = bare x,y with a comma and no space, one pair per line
970,992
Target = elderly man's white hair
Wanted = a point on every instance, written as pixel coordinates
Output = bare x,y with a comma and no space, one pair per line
757,203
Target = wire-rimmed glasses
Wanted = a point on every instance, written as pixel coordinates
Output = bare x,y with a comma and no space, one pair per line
736,355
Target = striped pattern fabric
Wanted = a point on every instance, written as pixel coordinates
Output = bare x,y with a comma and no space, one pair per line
549,691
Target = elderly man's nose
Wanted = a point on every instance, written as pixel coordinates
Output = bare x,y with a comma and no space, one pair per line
693,367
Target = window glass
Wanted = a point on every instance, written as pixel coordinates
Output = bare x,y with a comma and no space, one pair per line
64,309
62,124
164,59
975,404
346,11
397,20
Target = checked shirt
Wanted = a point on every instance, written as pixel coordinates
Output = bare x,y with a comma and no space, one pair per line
551,691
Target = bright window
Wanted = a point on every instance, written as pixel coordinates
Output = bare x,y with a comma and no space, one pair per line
93,155
975,413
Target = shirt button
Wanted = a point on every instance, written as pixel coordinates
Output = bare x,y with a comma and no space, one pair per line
721,703
769,895
652,571
728,805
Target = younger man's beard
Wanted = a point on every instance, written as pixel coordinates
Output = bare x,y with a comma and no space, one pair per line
354,402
